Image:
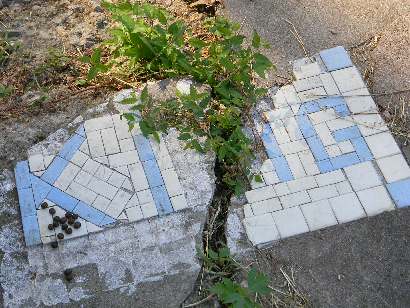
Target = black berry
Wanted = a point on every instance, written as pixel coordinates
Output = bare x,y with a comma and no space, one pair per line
55,224
68,230
63,220
52,211
77,225
64,226
54,244
50,227
44,205
69,277
68,215
75,216
56,218
60,236
68,271
70,221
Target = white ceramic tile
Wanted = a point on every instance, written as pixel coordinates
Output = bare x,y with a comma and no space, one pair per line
375,200
394,168
290,222
179,202
266,206
362,176
261,229
319,215
260,194
347,208
382,145
295,199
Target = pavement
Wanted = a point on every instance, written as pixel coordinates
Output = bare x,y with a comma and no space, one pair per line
360,263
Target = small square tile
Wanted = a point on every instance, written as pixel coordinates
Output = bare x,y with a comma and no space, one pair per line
400,192
382,145
127,145
394,168
270,178
261,229
149,210
290,222
323,192
179,202
375,200
145,196
347,208
348,79
36,162
134,213
362,176
346,147
336,58
79,158
319,215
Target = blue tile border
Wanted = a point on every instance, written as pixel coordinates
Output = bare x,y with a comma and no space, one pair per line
143,147
71,146
26,201
54,170
40,189
161,200
31,230
400,192
152,173
22,174
274,152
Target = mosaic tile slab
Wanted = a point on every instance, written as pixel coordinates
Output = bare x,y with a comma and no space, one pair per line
103,174
331,158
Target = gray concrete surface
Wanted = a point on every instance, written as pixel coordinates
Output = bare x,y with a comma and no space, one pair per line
151,263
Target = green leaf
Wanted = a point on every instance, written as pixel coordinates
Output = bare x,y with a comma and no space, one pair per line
256,40
258,282
258,178
261,64
96,56
144,95
92,73
81,82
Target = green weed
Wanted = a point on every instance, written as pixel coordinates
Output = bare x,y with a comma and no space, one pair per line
149,43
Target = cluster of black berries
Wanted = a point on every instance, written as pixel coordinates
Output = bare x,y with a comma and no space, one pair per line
68,220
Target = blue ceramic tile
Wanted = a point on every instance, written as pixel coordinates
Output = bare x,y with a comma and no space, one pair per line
344,160
346,133
107,220
81,131
71,146
89,213
40,189
31,230
153,173
62,199
26,202
400,192
282,168
309,107
161,199
331,102
317,148
143,147
324,166
22,174
342,110
335,58
54,170
270,143
362,149
305,126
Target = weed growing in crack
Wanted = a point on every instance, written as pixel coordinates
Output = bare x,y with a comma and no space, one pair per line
150,43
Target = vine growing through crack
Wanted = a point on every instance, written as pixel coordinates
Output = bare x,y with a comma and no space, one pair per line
149,43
